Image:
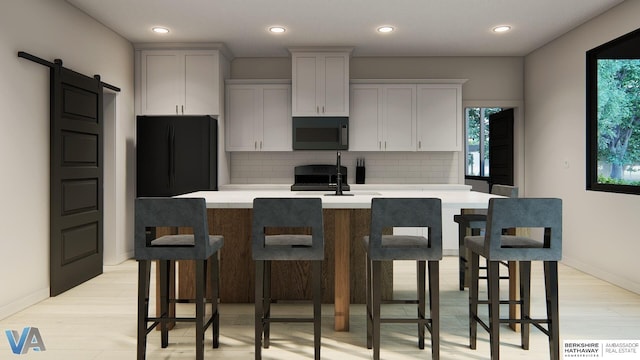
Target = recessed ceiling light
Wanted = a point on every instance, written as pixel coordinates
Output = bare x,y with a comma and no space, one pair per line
277,29
501,28
385,29
160,30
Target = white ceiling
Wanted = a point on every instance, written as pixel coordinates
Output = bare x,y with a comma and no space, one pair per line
424,27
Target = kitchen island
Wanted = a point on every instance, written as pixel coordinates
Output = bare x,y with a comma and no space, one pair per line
346,221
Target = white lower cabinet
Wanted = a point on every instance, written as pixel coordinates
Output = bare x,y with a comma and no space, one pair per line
258,117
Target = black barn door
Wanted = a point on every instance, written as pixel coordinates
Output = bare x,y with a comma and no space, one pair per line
76,179
501,148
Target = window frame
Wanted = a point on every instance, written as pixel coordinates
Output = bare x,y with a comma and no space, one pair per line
592,56
483,145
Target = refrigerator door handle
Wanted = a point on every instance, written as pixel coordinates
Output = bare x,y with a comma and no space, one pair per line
173,156
168,156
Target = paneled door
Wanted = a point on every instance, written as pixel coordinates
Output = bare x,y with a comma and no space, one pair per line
76,238
501,148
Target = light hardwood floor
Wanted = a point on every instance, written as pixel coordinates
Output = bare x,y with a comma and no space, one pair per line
97,320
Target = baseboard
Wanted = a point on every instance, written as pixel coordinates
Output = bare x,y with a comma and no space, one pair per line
450,252
23,303
120,259
601,274
130,255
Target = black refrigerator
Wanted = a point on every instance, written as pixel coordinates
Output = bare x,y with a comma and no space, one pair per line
176,154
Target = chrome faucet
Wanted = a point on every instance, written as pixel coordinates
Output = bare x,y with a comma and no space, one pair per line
338,175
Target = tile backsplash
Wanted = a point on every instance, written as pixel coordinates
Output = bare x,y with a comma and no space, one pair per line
381,167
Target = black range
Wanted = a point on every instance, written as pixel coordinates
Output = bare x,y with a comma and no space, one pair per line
318,178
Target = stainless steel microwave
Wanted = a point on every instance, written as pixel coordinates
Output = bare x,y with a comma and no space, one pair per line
320,133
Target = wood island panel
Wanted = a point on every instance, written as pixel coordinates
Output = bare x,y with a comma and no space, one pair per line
290,279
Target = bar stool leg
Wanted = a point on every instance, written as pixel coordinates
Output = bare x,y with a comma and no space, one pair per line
144,273
200,295
215,295
462,261
421,266
266,304
525,297
164,301
368,288
473,300
376,277
259,311
317,306
493,278
434,306
551,285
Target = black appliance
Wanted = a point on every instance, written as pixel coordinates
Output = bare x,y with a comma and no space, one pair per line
318,178
176,154
321,133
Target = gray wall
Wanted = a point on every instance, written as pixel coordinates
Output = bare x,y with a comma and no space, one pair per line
598,235
489,78
491,81
53,29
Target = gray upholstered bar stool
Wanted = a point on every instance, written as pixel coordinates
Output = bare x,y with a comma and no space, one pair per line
404,212
473,223
542,216
272,213
201,247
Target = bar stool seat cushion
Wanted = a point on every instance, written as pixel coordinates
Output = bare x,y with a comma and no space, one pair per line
288,240
476,243
513,248
400,241
215,241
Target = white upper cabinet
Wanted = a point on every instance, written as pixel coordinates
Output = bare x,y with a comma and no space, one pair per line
180,82
410,116
383,117
320,83
399,110
365,121
439,118
258,117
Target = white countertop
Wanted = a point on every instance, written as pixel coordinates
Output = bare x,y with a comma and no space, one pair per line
454,198
354,187
361,198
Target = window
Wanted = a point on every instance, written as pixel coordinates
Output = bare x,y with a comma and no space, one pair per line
477,141
613,115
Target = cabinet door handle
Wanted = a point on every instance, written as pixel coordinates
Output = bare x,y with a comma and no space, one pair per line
380,145
176,109
182,109
260,144
317,109
419,144
385,145
255,145
323,109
